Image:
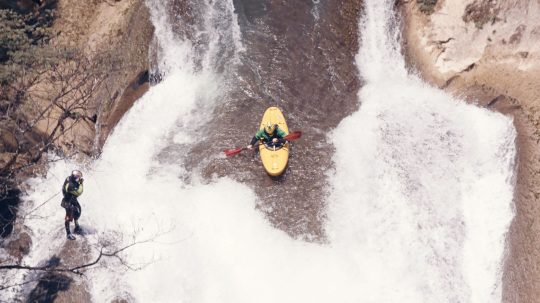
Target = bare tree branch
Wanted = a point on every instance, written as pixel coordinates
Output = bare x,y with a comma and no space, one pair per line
77,269
18,284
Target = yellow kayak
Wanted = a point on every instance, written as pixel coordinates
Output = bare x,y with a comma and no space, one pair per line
274,160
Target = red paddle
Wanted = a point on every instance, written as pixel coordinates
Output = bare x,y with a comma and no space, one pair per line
290,137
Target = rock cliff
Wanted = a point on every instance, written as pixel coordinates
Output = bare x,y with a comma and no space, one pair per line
122,28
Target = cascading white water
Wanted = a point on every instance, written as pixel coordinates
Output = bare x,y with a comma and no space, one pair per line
420,202
423,184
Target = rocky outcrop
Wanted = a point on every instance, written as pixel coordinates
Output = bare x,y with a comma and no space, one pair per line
489,53
122,28
64,287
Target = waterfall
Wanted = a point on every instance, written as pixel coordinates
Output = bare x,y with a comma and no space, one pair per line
423,185
421,193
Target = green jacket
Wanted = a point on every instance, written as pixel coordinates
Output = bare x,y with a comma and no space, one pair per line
72,188
267,138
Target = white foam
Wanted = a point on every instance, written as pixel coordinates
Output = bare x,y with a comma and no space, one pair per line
423,182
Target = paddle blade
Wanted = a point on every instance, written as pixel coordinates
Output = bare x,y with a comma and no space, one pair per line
232,152
293,136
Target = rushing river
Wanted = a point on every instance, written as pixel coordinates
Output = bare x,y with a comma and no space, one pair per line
397,192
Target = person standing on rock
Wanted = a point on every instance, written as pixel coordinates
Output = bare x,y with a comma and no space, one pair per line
72,188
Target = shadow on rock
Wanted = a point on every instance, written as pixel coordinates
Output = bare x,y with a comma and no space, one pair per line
50,285
9,202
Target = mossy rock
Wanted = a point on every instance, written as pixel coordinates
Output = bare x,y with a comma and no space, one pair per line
426,6
481,13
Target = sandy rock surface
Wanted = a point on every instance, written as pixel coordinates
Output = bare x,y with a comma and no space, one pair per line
488,52
122,28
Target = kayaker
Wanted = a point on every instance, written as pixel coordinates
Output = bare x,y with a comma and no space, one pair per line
72,188
270,135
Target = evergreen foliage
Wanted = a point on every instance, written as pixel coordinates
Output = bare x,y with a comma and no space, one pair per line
23,41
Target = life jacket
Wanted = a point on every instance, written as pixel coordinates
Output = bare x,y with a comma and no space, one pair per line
266,137
72,188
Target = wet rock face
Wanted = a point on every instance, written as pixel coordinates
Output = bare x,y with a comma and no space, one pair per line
299,56
19,246
48,288
136,88
60,287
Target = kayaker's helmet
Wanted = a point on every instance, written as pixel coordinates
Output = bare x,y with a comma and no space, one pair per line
76,174
270,128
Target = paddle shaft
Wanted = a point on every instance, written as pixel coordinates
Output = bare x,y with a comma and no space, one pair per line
290,137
